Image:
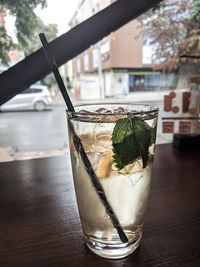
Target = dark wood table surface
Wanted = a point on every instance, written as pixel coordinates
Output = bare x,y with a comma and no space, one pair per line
39,223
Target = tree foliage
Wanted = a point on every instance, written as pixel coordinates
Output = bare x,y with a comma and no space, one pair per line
49,80
173,29
6,44
26,23
32,43
195,12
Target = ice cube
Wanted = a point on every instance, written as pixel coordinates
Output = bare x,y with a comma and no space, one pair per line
83,111
120,110
96,143
128,198
103,111
132,168
94,159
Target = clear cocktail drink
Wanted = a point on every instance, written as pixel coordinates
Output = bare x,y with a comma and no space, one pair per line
118,141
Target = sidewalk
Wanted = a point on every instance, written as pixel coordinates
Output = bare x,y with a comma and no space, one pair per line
9,153
133,97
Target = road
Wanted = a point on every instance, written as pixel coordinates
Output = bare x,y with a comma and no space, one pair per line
23,132
34,131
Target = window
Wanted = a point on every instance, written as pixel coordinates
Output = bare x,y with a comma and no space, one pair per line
86,61
78,64
95,56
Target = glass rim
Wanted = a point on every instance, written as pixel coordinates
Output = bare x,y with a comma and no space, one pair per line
152,109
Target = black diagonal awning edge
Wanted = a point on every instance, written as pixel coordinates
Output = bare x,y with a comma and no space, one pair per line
35,67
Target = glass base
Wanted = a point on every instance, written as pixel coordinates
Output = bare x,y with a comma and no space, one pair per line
112,247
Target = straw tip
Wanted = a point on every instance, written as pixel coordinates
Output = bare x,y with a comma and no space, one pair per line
42,37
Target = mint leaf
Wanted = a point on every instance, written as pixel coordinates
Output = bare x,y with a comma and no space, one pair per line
123,128
131,139
124,144
143,138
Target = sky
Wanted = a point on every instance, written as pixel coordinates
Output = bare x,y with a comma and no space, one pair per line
57,12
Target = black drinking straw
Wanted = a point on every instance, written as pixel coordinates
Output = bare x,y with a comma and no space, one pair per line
78,145
55,71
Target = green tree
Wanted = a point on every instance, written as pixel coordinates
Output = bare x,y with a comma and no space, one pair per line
26,22
6,44
195,12
175,33
49,80
32,43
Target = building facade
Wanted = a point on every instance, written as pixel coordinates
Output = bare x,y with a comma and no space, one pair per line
117,65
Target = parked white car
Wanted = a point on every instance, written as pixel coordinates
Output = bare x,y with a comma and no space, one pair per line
36,97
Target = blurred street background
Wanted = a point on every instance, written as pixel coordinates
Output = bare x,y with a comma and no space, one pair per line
140,62
31,134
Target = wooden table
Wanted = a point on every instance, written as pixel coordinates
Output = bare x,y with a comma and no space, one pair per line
39,223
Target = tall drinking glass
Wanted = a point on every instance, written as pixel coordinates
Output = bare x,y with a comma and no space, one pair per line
112,150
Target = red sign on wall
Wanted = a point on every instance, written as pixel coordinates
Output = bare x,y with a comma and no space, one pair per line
185,105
